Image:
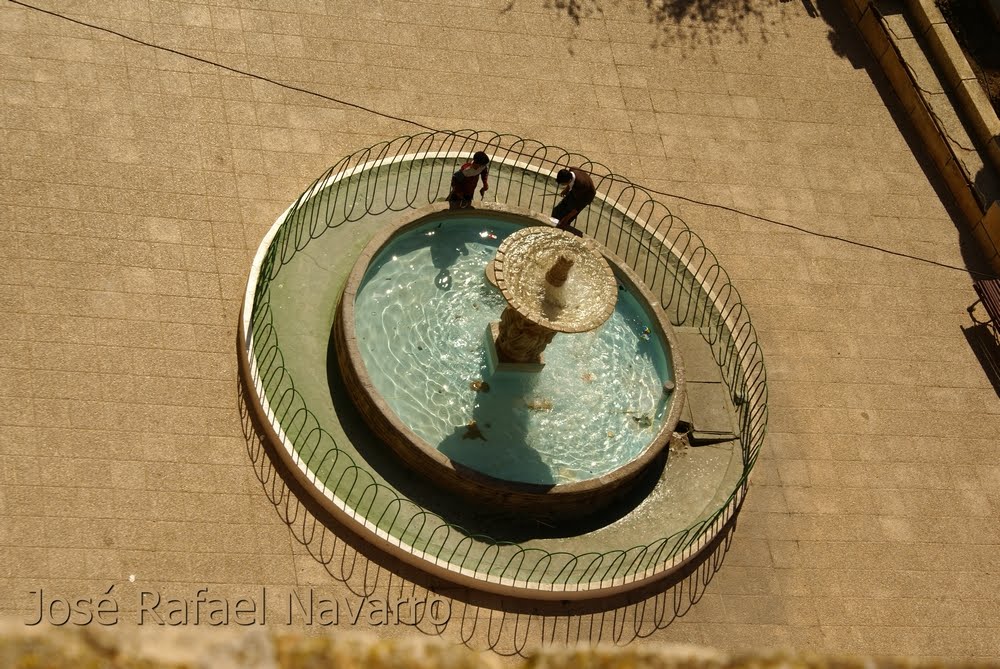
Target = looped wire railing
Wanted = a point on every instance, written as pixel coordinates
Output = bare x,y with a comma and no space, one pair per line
413,171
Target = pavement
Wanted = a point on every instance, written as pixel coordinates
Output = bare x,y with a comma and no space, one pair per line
136,183
945,104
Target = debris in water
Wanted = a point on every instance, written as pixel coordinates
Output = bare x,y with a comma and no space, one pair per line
472,431
642,420
588,377
539,405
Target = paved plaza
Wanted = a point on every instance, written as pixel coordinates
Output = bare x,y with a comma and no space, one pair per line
137,178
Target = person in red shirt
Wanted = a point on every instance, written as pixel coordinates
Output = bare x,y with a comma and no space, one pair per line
578,192
464,181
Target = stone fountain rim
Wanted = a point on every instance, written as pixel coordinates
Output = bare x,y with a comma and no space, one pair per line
561,499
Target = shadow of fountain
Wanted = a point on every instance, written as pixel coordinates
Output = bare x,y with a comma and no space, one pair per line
470,446
504,625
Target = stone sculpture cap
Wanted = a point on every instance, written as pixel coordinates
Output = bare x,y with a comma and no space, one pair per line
590,291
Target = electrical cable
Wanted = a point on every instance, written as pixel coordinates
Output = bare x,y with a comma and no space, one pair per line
213,63
401,119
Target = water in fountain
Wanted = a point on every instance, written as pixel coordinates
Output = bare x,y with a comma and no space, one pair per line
421,316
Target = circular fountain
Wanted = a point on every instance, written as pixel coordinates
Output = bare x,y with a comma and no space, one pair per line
413,324
462,392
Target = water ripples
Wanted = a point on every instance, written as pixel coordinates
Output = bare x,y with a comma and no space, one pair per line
422,314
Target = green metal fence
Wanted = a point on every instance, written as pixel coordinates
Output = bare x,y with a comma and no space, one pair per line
413,171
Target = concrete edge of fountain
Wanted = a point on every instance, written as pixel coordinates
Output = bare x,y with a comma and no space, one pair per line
552,501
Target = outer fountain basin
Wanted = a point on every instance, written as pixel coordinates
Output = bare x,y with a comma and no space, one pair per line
411,344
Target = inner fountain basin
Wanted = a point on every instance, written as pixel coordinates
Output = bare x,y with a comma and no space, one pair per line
413,335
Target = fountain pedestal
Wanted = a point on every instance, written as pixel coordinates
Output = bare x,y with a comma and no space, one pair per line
498,365
519,340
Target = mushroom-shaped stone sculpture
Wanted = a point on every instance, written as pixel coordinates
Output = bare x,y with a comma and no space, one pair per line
553,282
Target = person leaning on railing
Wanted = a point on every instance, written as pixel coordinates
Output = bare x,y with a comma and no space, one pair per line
464,181
578,193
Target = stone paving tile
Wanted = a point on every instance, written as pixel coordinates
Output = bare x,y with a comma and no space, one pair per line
135,185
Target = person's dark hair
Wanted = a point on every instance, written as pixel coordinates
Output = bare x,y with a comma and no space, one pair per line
480,158
563,176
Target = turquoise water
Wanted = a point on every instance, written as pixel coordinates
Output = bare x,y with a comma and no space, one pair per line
422,314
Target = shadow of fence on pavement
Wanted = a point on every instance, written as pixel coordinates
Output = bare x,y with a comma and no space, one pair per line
479,621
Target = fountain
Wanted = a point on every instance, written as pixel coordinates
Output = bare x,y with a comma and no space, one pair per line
488,417
464,452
